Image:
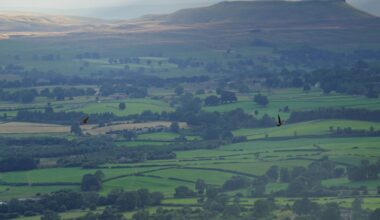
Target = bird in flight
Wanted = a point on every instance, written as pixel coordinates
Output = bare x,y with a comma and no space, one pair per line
280,122
85,120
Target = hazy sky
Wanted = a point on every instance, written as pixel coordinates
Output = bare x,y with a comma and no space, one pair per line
137,6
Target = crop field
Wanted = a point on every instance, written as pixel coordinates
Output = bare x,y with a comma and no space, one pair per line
23,128
31,128
127,126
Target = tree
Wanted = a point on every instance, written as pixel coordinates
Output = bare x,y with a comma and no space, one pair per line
232,210
99,174
110,214
357,210
127,201
90,183
76,129
59,93
50,215
284,175
236,182
141,215
200,186
330,211
212,100
122,106
144,198
179,90
306,88
183,192
305,207
261,208
272,173
258,189
228,97
375,215
174,127
49,109
261,100
156,198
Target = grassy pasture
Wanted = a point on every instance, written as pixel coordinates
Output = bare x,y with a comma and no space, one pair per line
319,127
165,186
140,143
164,136
370,184
27,191
134,106
211,177
346,150
63,175
296,99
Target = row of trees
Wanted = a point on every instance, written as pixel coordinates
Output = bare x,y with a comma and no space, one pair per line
65,200
17,164
29,95
365,171
225,97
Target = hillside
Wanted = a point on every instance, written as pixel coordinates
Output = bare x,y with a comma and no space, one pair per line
25,21
262,12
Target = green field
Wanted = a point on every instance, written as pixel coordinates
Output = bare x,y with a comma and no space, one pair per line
63,175
162,136
310,128
153,184
134,106
296,100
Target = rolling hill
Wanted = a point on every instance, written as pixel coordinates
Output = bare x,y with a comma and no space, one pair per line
27,21
270,12
232,23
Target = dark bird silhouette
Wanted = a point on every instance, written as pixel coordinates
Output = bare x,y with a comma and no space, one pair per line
280,122
85,120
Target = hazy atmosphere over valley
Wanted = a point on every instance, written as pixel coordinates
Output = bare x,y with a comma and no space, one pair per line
189,110
126,9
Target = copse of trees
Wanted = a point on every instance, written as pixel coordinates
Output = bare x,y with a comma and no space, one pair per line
184,192
122,106
212,100
227,97
66,200
23,96
29,95
18,164
306,181
365,171
92,182
236,182
261,100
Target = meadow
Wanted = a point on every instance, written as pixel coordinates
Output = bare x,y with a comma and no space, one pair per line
310,128
295,100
